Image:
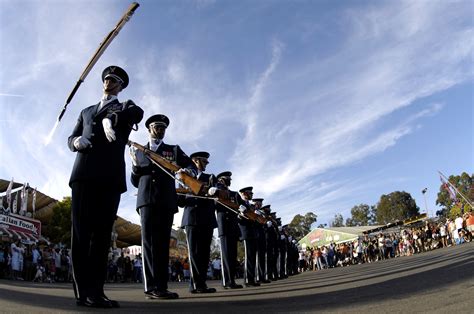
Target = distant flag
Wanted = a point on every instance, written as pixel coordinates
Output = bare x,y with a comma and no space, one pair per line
449,189
24,207
15,203
9,193
24,200
33,205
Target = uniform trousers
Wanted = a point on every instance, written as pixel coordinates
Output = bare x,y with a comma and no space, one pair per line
199,249
156,231
94,209
250,246
261,257
228,259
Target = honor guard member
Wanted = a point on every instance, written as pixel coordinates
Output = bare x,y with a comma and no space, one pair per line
229,232
157,202
261,243
271,241
249,236
273,236
199,221
97,181
283,245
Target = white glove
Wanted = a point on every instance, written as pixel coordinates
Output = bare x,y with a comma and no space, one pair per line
282,237
184,170
259,212
269,224
280,228
212,191
138,158
242,208
109,131
81,143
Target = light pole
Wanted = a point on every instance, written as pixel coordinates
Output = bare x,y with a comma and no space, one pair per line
426,203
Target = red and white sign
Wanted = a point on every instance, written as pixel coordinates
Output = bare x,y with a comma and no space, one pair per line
22,224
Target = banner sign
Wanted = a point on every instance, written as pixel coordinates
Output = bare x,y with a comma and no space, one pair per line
321,236
22,224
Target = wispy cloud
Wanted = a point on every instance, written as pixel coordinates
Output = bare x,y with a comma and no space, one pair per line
281,103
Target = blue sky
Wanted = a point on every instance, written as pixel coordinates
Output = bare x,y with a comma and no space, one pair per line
320,105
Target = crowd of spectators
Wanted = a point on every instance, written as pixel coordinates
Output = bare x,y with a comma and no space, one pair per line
19,261
52,263
384,245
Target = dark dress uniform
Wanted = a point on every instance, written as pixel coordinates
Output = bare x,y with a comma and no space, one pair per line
157,202
229,233
249,236
97,181
283,248
261,252
272,236
199,221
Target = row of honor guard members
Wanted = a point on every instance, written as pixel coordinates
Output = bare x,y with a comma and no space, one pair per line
157,203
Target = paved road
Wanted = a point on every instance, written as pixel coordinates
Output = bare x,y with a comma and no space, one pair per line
440,281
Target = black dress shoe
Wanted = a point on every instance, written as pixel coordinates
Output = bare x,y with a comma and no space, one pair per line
233,286
164,295
97,302
114,303
204,290
265,281
252,284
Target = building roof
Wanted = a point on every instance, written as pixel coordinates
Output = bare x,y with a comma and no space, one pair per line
127,233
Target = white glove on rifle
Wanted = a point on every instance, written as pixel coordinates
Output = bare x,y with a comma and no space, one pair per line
179,173
108,130
242,208
269,224
212,191
81,143
138,158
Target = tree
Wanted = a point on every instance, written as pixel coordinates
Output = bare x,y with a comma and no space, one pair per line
451,208
361,215
59,227
301,225
395,206
338,221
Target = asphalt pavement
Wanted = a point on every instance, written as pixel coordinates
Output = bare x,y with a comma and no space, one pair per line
440,281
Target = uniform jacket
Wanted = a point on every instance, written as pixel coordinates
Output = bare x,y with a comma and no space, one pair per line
199,211
103,162
227,221
247,227
155,187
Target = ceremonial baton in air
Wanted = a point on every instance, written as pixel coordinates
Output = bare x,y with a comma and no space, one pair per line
103,45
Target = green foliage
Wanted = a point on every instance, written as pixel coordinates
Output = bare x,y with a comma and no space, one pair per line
450,208
58,228
361,215
395,206
181,235
301,225
338,221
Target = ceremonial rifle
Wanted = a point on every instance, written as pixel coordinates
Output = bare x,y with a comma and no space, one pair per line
197,187
224,202
103,45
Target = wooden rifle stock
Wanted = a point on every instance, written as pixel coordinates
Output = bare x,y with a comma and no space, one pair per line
197,187
255,217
